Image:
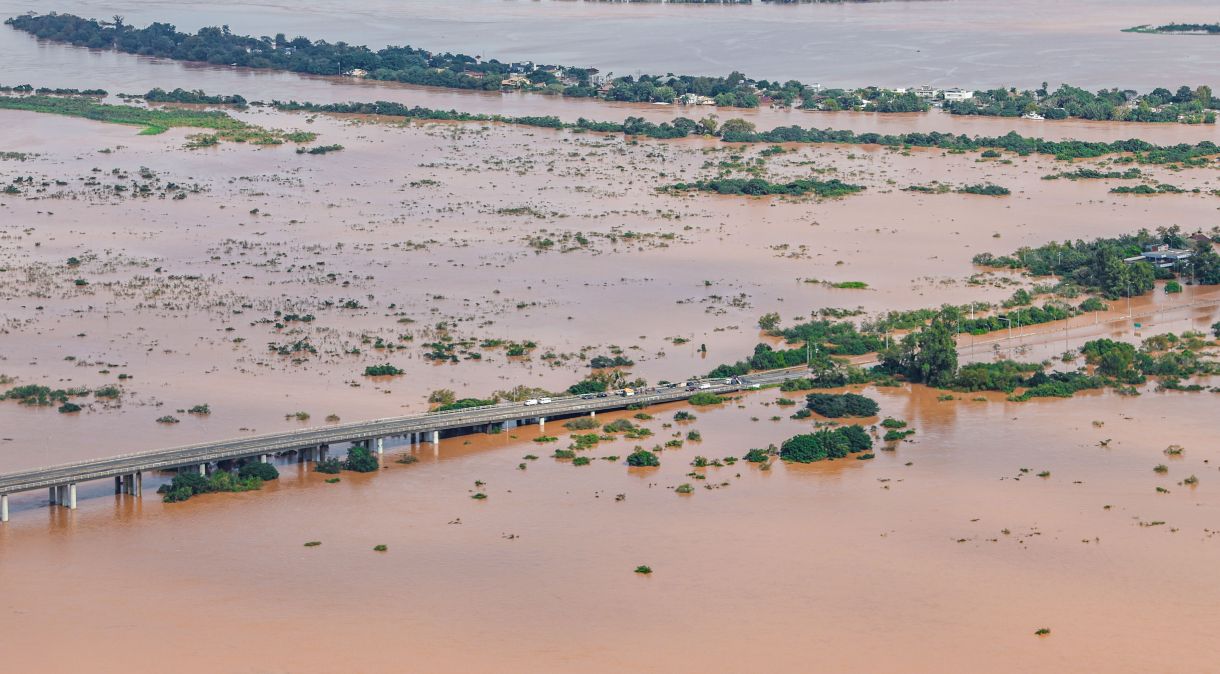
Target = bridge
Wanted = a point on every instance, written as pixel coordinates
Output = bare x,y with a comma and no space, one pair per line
311,444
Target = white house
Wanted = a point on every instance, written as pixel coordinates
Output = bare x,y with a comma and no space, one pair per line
958,95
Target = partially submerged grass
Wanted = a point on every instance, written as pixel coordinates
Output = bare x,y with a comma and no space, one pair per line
158,120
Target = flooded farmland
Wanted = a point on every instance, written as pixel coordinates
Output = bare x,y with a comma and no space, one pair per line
242,290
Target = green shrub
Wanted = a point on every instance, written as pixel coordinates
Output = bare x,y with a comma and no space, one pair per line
582,424
826,444
262,471
834,406
705,398
360,460
643,458
756,456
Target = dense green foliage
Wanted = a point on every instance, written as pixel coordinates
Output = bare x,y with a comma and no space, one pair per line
928,356
761,187
834,406
190,483
826,444
642,458
360,460
219,46
384,370
987,190
1160,105
258,470
465,403
1100,264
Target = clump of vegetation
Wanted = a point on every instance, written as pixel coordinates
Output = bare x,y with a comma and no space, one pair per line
684,488
258,470
826,444
834,406
757,456
987,189
582,424
360,460
642,458
380,548
189,483
762,187
167,419
643,569
704,398
384,370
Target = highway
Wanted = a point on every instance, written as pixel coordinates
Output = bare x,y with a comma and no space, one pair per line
428,425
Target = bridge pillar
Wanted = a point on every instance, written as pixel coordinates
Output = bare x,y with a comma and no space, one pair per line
53,497
380,447
203,469
436,438
542,423
262,458
592,413
72,496
139,479
3,508
118,485
129,484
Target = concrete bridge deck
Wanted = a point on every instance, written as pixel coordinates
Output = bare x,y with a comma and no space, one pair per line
127,469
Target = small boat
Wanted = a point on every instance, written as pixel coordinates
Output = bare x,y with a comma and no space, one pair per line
1032,115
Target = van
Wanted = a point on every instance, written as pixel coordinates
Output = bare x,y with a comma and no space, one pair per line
628,391
705,385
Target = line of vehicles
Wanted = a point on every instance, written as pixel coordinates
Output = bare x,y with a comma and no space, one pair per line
628,392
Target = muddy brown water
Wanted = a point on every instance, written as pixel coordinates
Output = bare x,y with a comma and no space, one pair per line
954,562
850,565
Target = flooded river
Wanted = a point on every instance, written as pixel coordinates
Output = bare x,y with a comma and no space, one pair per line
942,553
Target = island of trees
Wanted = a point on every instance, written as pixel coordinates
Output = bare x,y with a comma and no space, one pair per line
219,46
1178,28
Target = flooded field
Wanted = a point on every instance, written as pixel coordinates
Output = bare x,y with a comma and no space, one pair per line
255,285
278,277
940,555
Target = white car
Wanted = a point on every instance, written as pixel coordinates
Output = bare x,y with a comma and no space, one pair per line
544,401
531,401
728,380
705,385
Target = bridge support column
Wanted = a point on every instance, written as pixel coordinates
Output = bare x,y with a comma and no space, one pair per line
542,423
436,438
380,447
139,486
592,413
72,496
3,508
118,485
203,469
53,497
262,458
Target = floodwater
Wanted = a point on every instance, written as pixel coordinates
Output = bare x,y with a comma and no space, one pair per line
432,230
945,554
967,43
44,64
940,556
